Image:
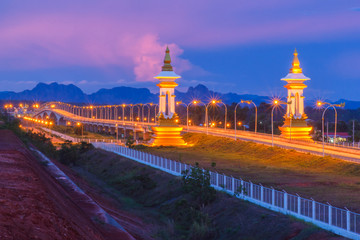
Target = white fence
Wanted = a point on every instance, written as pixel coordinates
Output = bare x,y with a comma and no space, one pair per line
339,221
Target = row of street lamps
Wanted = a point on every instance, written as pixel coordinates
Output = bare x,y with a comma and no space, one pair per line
105,111
213,102
276,103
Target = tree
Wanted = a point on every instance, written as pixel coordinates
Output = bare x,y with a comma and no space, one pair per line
196,181
130,142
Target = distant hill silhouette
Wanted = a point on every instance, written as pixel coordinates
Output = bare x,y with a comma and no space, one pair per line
119,95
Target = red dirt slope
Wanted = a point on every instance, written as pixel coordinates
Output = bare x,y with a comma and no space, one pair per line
34,206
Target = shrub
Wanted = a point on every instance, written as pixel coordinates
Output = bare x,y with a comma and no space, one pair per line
197,183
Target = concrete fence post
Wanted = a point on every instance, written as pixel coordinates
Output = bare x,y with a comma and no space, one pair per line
217,179
285,200
242,187
330,214
251,189
233,184
299,204
272,196
313,209
261,193
347,219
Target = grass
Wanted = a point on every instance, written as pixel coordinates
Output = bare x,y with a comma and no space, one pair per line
325,179
170,210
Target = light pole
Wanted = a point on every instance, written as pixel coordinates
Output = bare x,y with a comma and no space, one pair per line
117,133
275,104
82,129
138,105
251,102
319,104
207,115
187,112
235,126
155,114
142,111
219,101
123,113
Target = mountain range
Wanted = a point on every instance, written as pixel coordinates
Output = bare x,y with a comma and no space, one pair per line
119,95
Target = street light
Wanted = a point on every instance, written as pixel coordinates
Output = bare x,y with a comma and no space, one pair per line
251,102
142,109
319,104
82,128
275,104
219,101
213,102
117,132
187,112
155,114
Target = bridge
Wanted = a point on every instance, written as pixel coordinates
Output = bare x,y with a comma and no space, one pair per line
122,121
164,127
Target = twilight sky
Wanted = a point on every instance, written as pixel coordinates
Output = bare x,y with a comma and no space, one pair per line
238,46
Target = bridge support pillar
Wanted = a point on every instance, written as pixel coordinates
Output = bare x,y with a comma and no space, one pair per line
146,136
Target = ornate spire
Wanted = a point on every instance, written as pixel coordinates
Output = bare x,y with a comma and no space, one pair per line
295,64
167,61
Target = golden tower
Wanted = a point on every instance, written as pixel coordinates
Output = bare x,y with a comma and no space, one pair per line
295,126
167,133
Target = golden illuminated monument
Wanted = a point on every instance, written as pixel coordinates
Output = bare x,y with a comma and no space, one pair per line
295,126
167,133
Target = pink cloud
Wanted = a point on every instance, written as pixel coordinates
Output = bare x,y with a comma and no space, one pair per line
48,42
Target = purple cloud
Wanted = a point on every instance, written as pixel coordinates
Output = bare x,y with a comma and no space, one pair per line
133,35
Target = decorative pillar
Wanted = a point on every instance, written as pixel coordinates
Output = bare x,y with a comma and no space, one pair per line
167,133
295,126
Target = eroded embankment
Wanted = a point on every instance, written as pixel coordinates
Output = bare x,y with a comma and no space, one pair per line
33,205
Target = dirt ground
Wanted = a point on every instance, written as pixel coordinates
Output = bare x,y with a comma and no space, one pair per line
34,206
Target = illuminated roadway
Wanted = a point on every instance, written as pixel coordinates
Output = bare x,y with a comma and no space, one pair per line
346,153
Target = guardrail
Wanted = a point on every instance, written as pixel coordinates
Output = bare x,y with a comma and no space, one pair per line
337,220
77,140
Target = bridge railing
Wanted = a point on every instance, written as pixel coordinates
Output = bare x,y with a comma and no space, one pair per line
78,140
339,221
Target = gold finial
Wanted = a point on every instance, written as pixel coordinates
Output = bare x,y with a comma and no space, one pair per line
295,64
167,61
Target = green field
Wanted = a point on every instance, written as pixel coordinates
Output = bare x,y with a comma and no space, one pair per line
324,179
